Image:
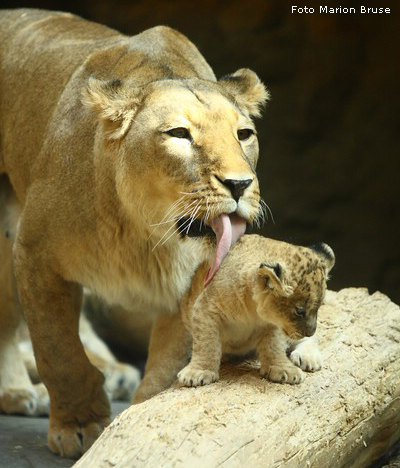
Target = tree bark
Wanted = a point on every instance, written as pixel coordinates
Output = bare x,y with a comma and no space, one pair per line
346,415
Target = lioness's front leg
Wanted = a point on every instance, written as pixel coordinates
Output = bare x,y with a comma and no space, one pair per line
275,364
79,408
169,351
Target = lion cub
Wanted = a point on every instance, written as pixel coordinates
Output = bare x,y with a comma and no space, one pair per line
265,297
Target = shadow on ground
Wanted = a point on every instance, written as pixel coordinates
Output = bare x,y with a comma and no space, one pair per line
23,442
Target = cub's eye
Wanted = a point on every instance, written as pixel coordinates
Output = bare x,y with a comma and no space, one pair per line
300,311
245,133
180,132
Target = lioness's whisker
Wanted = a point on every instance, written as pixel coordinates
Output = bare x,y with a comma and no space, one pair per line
166,233
174,205
190,219
172,208
184,215
202,220
189,193
193,217
160,240
265,207
260,219
178,229
173,218
213,210
176,208
207,212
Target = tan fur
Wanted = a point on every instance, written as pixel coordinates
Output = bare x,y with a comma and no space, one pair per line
120,380
254,303
84,121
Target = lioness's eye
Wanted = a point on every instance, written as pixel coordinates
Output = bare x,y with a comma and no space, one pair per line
180,132
245,133
300,311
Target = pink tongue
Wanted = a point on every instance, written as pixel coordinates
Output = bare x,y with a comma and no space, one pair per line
228,229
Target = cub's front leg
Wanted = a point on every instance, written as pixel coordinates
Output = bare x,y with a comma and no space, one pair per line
275,364
79,408
204,366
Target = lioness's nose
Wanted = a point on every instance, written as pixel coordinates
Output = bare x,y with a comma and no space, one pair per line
237,187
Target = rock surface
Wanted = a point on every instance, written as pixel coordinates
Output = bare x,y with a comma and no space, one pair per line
348,414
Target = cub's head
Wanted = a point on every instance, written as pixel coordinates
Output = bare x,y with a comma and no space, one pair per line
183,153
290,292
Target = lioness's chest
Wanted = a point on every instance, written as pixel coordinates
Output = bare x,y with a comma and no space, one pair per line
143,280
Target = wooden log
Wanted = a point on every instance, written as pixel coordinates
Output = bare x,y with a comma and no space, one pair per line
346,415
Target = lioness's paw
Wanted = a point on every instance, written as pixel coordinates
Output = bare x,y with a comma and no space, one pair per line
192,377
73,441
33,401
283,374
307,356
122,381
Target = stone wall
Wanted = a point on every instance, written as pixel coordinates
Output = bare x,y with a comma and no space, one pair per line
329,140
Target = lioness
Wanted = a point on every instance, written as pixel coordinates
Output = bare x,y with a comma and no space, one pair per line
130,165
265,297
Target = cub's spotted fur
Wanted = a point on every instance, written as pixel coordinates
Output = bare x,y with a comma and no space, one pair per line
265,296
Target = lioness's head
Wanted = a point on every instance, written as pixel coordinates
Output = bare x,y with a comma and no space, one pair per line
184,153
290,292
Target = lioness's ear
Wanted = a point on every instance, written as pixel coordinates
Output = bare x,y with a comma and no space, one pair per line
114,105
326,254
247,89
273,276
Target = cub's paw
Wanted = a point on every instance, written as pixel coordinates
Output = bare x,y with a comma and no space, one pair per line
192,377
307,356
121,381
31,401
283,374
72,441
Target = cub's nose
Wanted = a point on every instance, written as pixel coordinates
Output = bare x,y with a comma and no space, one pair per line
310,329
236,187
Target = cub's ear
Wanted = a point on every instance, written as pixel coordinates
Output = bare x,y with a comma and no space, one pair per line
114,104
247,89
272,274
326,253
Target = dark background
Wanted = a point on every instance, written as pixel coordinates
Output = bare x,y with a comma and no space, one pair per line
329,165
